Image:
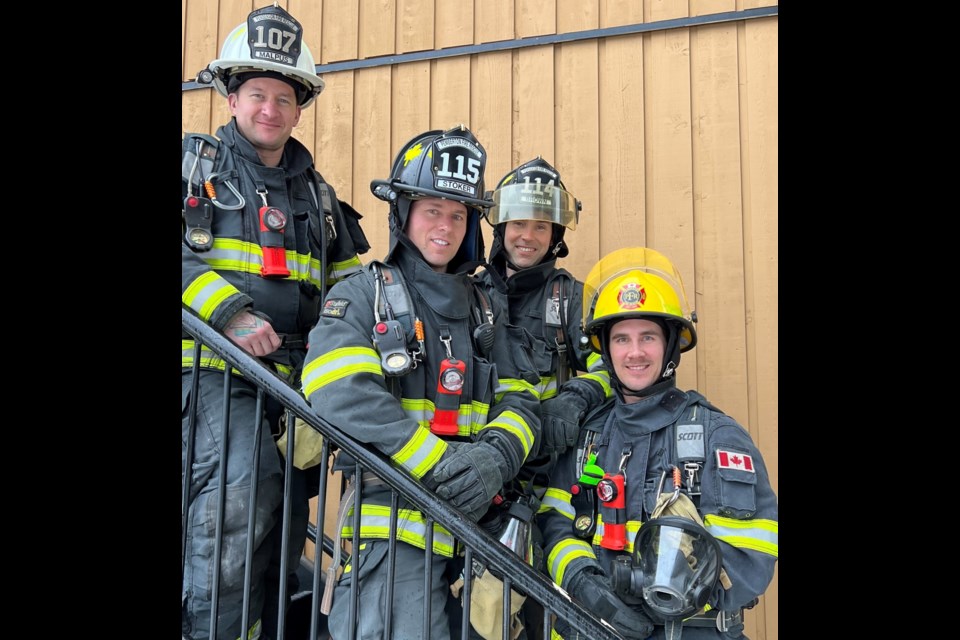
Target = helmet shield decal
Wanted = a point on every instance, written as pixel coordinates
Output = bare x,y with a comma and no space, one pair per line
273,35
458,166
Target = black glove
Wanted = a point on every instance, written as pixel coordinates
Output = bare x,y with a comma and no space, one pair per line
470,478
593,592
560,422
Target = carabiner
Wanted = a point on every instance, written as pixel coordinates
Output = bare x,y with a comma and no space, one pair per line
242,202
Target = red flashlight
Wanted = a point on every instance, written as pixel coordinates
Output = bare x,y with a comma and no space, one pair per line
272,223
612,495
449,388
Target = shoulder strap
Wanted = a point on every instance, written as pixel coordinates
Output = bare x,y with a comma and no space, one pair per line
198,156
557,305
393,298
690,441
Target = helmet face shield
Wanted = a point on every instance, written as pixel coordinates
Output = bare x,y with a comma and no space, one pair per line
680,563
528,201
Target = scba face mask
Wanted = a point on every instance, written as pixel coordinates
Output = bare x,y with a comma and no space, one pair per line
675,567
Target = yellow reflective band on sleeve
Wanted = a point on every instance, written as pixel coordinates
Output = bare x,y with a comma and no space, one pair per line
565,552
421,453
338,364
340,270
603,379
513,385
547,387
512,422
558,500
757,535
208,292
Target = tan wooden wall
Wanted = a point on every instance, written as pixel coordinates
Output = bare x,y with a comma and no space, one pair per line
669,138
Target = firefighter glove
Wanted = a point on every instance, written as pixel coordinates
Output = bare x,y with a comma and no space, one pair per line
470,478
560,422
593,591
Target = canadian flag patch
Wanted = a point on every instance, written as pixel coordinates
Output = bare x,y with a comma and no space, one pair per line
734,460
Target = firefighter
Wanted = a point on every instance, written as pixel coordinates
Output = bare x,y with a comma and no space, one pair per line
263,236
650,446
415,360
532,210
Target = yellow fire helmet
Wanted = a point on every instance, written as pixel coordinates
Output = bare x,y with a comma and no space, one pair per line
636,282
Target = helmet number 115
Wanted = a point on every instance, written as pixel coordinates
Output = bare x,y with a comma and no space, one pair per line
473,166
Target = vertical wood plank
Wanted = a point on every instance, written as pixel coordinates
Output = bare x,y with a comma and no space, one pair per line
334,134
494,20
533,100
536,18
372,156
577,144
454,24
665,9
378,30
759,79
491,102
341,22
718,219
577,15
450,92
411,105
621,208
707,7
669,178
415,25
615,13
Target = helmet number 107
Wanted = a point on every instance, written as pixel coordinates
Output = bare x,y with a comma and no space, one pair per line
275,39
473,166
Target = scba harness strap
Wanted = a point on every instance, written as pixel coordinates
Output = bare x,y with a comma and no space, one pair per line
204,171
398,333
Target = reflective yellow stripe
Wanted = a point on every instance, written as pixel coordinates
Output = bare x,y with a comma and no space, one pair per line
338,364
512,422
559,501
565,552
411,528
603,379
421,453
228,254
757,535
470,419
206,293
508,385
340,270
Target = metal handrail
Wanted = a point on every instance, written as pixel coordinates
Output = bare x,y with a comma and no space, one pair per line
523,576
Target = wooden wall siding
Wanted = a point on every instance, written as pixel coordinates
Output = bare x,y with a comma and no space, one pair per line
669,138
